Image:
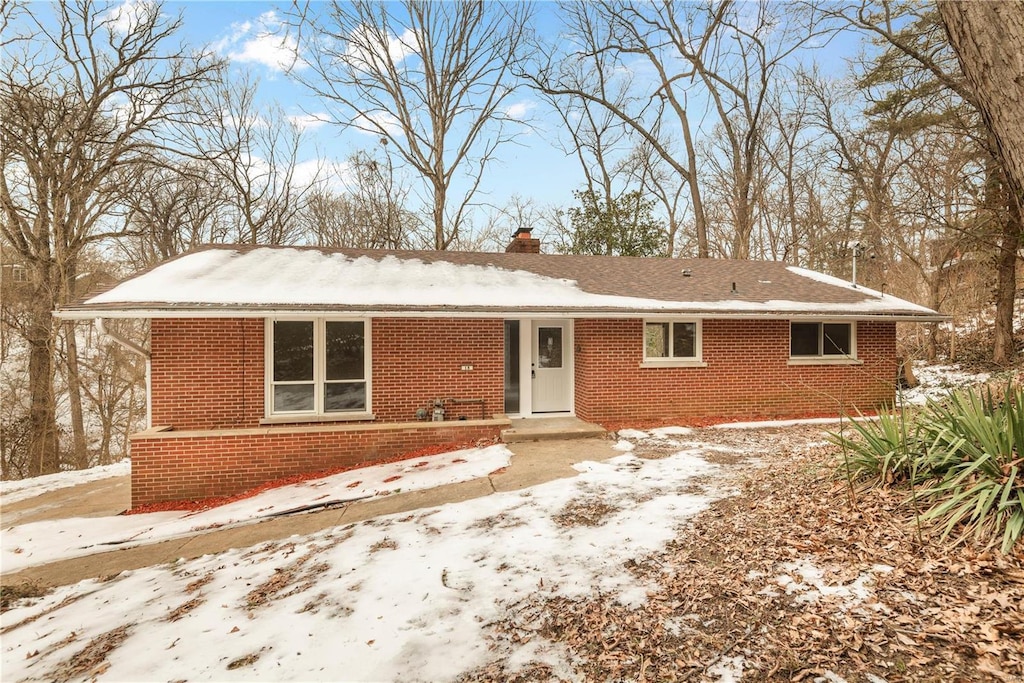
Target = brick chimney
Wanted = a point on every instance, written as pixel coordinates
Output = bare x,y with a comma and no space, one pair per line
522,243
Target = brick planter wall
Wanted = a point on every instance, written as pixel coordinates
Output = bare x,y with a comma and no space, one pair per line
208,390
193,465
747,375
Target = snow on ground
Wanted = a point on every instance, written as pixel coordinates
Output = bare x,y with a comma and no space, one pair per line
937,381
808,582
47,541
774,424
402,597
20,489
728,669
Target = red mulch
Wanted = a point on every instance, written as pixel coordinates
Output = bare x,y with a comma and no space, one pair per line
207,503
711,421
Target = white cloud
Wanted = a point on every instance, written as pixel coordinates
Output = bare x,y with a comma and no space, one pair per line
264,41
365,48
370,122
127,16
520,110
309,121
333,175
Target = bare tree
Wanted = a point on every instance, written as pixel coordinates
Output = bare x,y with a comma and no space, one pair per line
253,152
588,130
82,101
371,213
725,55
601,37
433,79
741,70
915,37
177,207
654,178
114,391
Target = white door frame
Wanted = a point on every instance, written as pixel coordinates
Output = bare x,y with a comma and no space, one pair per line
527,330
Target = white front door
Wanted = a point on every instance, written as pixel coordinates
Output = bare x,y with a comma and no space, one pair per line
551,366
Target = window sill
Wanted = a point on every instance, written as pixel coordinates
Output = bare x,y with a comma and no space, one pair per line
673,363
297,419
818,360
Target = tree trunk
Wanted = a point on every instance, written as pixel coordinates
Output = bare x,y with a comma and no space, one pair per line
80,454
700,223
934,301
952,340
1006,283
989,40
44,455
440,243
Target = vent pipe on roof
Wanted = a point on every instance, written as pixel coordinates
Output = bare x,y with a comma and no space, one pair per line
858,252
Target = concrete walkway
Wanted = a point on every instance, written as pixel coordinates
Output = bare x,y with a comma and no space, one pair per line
532,463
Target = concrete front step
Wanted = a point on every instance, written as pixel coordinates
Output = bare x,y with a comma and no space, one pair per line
550,429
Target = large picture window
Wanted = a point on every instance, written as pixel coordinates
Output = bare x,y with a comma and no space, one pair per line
317,367
672,340
821,340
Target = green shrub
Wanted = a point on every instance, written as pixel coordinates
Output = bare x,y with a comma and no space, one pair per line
966,454
878,449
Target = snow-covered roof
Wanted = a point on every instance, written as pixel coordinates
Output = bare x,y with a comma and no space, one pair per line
248,281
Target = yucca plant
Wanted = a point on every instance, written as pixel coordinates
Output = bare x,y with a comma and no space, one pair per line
963,458
883,449
974,456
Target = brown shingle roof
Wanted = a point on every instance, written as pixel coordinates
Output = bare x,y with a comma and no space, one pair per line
662,285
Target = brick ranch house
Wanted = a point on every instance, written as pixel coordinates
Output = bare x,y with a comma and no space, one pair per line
270,361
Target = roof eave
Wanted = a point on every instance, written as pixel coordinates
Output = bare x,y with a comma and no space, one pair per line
148,312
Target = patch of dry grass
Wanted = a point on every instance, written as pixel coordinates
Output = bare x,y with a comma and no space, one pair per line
91,661
12,595
588,511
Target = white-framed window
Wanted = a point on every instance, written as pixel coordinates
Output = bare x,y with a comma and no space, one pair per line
822,340
318,367
676,342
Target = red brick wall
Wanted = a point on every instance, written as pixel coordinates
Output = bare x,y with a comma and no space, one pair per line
188,467
418,360
747,374
208,373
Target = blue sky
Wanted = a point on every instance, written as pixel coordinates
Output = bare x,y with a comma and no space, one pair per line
248,33
251,34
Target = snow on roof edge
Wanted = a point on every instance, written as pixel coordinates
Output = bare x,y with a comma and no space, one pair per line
261,280
867,291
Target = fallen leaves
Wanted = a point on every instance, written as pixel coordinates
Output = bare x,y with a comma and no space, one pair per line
869,598
91,661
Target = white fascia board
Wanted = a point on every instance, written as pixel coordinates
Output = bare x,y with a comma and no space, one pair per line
511,314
